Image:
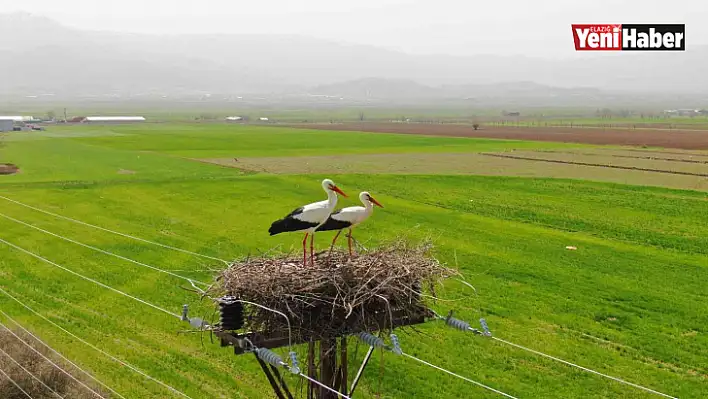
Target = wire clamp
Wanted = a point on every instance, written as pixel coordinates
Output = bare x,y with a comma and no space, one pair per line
295,367
396,344
185,311
485,327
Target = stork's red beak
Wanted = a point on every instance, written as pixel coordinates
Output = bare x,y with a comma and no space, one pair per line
337,190
375,202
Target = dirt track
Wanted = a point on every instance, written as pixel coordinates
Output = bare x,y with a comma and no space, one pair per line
684,139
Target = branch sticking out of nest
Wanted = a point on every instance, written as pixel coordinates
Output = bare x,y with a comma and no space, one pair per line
339,295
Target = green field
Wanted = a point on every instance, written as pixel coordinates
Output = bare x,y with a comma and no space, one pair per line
629,302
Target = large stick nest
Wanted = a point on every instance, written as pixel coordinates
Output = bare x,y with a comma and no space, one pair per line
338,295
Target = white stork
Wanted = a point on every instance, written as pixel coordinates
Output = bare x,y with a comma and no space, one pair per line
350,217
307,218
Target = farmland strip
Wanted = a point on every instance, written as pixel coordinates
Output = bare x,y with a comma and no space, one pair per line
667,152
594,164
626,156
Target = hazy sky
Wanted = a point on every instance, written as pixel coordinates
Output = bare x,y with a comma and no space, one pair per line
540,27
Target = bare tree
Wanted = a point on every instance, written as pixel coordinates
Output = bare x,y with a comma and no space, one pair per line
361,115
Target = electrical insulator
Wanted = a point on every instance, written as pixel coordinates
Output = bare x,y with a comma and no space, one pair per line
230,313
371,339
269,357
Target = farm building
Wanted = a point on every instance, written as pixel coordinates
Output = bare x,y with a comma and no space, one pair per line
6,125
263,119
113,119
18,118
683,112
234,119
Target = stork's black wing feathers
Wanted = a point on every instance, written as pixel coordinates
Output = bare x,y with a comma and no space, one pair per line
334,224
295,212
289,223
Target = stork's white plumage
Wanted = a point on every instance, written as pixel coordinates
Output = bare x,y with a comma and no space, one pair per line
350,217
309,217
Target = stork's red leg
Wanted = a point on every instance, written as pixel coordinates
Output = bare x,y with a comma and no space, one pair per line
350,242
304,251
312,248
334,240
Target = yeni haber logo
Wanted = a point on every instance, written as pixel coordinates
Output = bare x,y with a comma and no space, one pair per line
626,37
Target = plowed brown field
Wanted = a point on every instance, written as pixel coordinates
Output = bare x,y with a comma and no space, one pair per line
684,139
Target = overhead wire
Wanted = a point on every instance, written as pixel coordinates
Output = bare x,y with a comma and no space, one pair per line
34,377
464,326
314,381
90,279
192,281
479,384
583,368
50,360
377,342
16,384
113,231
94,347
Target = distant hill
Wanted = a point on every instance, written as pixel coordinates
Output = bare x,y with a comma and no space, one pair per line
379,89
522,93
42,56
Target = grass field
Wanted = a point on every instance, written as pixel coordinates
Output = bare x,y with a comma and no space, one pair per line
664,173
629,302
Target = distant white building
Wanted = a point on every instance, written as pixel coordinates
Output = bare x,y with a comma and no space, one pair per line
113,119
263,119
234,118
18,118
682,112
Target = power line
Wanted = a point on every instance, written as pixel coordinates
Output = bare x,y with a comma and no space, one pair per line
16,384
341,395
458,376
60,355
583,368
89,279
114,232
377,342
102,251
46,358
30,374
464,326
121,362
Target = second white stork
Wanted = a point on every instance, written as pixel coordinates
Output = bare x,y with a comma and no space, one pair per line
350,217
307,218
